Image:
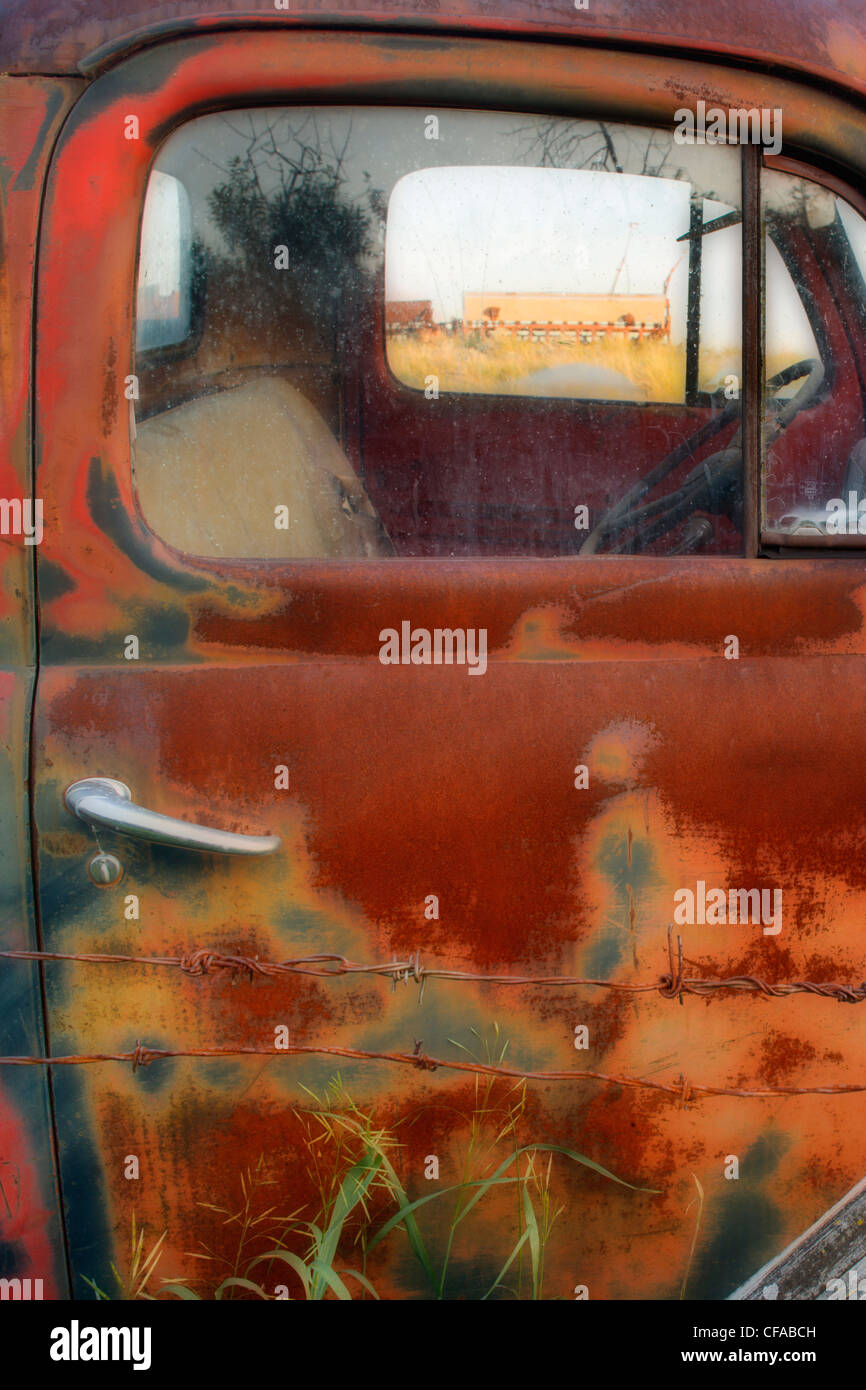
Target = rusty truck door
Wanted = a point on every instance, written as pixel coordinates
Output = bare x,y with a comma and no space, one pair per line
536,821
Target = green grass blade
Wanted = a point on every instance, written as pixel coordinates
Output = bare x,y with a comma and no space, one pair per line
293,1261
546,1148
333,1280
534,1239
694,1234
483,1185
353,1189
413,1230
399,1195
362,1279
508,1263
412,1207
587,1163
235,1282
100,1295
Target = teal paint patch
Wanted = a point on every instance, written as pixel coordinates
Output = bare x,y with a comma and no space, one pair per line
242,598
27,174
630,881
160,630
748,1225
605,953
222,1075
89,1238
54,581
314,927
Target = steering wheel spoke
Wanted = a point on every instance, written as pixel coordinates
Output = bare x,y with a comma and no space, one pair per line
712,485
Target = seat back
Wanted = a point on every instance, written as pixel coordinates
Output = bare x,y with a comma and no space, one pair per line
210,475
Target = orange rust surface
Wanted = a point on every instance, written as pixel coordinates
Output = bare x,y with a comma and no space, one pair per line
402,786
406,782
815,36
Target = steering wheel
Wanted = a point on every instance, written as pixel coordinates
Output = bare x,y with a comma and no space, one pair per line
714,485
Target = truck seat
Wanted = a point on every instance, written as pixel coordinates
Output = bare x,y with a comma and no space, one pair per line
211,473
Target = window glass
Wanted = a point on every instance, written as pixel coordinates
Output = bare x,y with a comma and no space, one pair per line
453,333
165,271
814,444
855,227
543,281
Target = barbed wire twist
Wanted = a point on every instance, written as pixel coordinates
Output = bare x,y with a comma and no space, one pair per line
674,984
203,961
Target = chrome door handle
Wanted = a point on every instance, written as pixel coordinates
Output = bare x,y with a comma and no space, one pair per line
104,801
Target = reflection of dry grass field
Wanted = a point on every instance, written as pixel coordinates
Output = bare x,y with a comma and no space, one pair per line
501,365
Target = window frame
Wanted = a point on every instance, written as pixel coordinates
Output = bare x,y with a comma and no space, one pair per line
776,544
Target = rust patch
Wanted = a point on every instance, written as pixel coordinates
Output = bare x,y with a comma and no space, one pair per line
109,389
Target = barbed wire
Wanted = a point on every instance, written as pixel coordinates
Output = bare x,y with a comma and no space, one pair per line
671,985
681,1088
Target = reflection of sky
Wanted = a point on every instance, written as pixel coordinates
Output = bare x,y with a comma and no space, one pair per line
856,229
484,229
571,231
556,230
162,235
788,333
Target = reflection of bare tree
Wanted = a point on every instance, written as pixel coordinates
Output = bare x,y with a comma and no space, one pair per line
287,189
799,201
281,150
559,144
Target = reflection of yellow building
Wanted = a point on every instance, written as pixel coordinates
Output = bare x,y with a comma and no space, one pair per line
613,312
